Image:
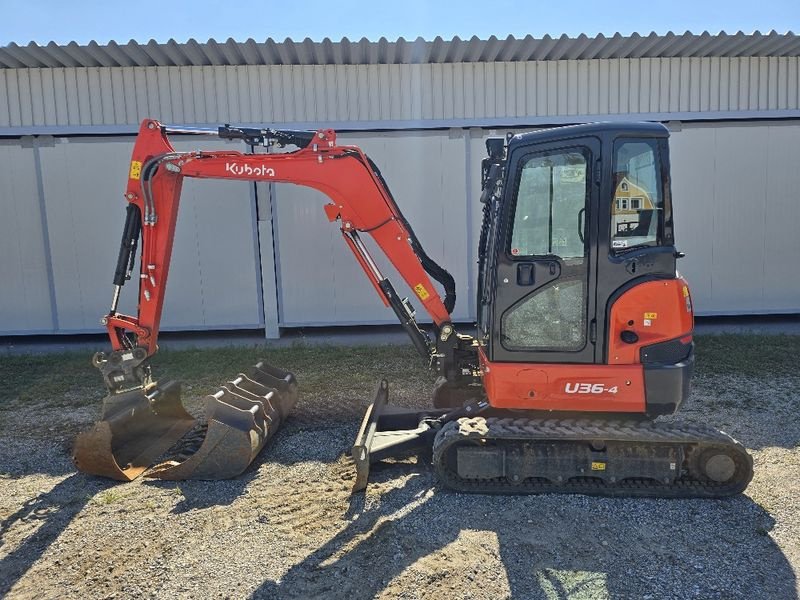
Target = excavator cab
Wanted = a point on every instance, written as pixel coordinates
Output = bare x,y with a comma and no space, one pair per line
579,268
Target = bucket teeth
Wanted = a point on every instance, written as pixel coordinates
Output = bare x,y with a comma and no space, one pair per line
241,417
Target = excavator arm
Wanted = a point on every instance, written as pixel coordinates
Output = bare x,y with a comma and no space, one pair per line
359,200
143,419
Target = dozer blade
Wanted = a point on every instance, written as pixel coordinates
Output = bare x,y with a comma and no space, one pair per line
137,427
389,432
241,416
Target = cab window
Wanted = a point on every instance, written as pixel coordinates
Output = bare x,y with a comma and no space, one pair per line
549,214
637,217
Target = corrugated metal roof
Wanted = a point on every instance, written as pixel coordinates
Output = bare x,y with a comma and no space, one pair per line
401,51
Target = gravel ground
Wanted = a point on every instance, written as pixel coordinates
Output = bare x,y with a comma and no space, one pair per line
288,528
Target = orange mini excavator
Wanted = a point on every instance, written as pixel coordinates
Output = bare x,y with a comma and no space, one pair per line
583,336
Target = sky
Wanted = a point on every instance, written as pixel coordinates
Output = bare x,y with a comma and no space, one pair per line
43,21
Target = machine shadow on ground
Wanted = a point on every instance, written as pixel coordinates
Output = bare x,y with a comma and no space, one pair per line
51,513
551,546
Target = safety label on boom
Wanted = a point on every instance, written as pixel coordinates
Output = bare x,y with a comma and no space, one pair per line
421,291
136,170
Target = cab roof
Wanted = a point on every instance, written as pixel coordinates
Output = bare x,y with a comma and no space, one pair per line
602,129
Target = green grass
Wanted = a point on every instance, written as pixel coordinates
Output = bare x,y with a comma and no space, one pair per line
330,374
748,355
69,379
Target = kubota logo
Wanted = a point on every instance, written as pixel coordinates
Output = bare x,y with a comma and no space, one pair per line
237,169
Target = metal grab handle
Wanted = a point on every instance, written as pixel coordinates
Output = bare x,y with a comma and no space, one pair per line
581,213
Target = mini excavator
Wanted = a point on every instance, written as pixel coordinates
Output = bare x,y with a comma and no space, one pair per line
583,334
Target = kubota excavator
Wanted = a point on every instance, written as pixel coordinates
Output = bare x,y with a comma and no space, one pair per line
583,337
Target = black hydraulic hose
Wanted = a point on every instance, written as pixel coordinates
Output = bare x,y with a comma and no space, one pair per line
431,267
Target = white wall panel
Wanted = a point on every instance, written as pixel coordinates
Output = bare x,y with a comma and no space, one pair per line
735,194
320,281
735,191
24,290
213,277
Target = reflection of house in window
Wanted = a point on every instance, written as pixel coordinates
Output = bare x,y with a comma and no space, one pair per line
633,206
630,198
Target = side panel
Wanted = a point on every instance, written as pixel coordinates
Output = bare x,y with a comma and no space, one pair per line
589,388
648,313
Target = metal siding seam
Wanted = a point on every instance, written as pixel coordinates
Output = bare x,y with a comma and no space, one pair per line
118,95
782,85
60,96
129,89
571,90
257,255
25,101
197,88
752,79
724,83
48,97
586,93
220,94
152,91
773,78
469,91
446,91
210,94
705,85
37,165
234,97
551,106
735,85
624,85
187,95
405,94
106,95
471,257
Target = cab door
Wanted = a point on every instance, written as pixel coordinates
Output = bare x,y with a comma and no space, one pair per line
544,308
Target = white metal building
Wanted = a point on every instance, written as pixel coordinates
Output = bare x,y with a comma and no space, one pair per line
250,256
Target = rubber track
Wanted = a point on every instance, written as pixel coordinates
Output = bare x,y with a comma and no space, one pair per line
694,439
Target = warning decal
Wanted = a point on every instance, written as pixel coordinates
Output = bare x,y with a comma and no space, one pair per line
421,291
136,170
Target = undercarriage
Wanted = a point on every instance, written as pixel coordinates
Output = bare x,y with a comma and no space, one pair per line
505,452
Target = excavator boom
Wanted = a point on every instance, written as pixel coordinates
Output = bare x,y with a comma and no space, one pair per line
141,419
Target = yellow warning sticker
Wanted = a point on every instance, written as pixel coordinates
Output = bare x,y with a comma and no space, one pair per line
650,315
136,170
598,466
685,292
421,291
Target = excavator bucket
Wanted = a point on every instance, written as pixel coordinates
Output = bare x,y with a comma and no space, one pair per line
138,428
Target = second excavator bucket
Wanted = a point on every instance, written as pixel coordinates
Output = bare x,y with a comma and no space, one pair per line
241,417
138,428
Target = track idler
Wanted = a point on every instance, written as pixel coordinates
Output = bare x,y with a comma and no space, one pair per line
142,425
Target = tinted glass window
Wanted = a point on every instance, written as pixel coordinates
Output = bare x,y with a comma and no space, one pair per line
553,318
637,206
549,210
